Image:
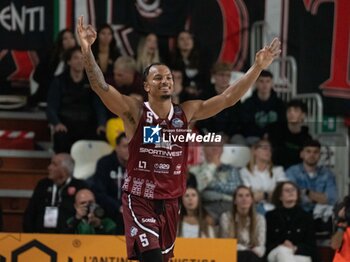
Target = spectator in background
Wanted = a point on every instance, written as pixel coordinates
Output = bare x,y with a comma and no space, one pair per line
227,121
290,233
89,217
126,78
74,110
216,181
147,52
51,65
178,95
261,109
105,50
261,175
52,202
194,221
108,180
318,187
340,241
186,57
288,137
244,224
316,182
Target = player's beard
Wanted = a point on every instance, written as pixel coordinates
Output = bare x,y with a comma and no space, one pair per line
165,97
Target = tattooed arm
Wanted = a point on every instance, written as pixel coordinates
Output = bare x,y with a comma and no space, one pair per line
128,108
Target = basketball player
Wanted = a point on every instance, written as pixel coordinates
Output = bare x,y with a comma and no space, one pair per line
156,172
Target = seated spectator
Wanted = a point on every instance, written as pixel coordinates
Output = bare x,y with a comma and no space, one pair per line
108,180
187,58
194,221
52,64
261,109
317,183
105,50
178,95
89,217
340,241
52,202
261,175
318,187
126,79
227,121
290,233
216,181
287,138
147,52
244,224
74,110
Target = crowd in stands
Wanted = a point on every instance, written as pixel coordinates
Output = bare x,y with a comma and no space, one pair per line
274,214
274,205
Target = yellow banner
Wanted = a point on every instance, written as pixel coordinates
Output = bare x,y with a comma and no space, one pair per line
17,247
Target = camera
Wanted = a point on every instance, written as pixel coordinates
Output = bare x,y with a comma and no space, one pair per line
96,210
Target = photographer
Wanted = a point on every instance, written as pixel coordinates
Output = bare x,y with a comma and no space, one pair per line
89,216
341,239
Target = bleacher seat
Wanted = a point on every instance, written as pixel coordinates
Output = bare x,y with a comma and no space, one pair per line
237,156
86,153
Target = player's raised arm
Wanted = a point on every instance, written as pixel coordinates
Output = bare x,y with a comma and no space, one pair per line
198,109
124,106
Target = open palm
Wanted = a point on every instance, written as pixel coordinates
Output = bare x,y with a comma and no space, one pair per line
266,55
87,34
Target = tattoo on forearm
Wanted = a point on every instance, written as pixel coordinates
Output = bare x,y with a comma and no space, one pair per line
94,72
129,116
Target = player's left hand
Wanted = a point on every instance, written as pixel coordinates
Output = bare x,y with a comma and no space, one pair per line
265,56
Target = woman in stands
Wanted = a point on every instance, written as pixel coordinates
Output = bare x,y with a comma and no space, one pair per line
194,221
51,65
105,50
261,175
290,233
244,224
147,52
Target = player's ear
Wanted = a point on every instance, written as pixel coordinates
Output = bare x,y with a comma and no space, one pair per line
146,87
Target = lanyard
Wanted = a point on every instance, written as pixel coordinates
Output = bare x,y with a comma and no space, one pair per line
54,191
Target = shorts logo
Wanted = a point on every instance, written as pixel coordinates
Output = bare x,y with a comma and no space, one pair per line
148,220
151,134
133,231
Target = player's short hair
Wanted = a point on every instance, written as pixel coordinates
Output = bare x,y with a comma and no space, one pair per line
146,71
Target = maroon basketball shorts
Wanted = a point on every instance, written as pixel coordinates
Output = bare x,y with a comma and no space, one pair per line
150,224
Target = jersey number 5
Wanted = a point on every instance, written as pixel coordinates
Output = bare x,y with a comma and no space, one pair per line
149,118
144,240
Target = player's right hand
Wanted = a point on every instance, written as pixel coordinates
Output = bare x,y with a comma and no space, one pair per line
87,34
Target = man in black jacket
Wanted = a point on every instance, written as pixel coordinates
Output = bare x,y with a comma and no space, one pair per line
287,138
52,202
262,109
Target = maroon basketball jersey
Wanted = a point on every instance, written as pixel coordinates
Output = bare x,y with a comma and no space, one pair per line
157,163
